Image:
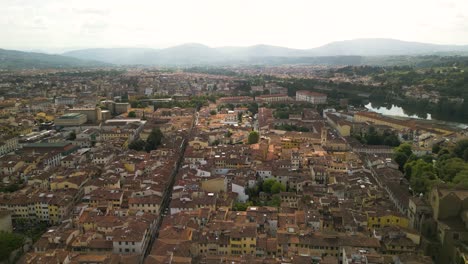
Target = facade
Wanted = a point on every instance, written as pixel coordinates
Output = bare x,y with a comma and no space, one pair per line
65,100
381,120
93,115
5,221
7,145
272,98
120,108
311,97
71,119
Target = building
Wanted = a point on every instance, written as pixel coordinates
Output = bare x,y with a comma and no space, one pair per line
418,212
64,148
272,98
93,115
71,119
341,125
8,144
120,108
449,207
379,119
235,100
65,100
311,97
5,221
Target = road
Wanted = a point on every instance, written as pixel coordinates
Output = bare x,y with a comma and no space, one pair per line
164,208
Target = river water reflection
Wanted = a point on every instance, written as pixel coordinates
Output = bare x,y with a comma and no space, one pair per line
393,111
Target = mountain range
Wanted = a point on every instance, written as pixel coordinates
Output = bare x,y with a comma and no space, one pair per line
13,59
341,52
201,54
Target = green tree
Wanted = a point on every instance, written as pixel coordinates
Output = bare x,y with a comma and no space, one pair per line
8,243
275,201
448,168
465,155
254,137
422,175
400,158
132,114
436,148
239,117
461,178
154,139
460,148
405,148
213,112
253,108
138,145
71,136
238,206
277,188
268,184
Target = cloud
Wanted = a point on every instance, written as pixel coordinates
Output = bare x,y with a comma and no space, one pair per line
91,11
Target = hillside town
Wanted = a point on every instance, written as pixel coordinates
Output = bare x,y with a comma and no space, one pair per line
154,166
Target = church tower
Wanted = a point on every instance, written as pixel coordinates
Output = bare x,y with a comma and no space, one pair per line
324,136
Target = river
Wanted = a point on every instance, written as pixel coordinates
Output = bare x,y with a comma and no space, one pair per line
398,111
393,111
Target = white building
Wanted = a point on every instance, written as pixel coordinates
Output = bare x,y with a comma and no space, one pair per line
311,97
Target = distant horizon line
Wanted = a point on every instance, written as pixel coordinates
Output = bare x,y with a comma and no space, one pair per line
61,50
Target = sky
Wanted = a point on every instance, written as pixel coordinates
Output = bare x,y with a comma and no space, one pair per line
60,25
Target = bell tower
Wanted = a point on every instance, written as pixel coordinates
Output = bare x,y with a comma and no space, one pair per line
324,136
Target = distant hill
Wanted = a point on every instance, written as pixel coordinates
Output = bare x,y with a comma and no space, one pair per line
384,47
12,59
190,54
349,52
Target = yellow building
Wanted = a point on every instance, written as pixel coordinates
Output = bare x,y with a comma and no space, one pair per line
287,143
381,120
68,183
385,218
243,241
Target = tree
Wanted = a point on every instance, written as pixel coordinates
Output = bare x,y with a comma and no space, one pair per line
239,117
132,114
449,168
267,185
8,243
277,188
138,145
275,201
404,148
460,148
253,108
238,206
213,112
72,136
436,148
461,178
400,158
421,175
154,139
254,137
465,155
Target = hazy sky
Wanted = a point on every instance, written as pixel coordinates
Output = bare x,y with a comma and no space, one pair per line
53,25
